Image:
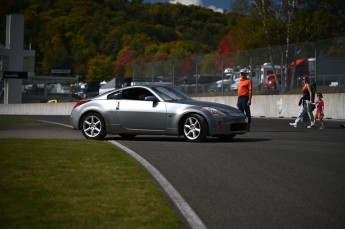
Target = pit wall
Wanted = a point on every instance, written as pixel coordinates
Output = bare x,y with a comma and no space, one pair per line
271,106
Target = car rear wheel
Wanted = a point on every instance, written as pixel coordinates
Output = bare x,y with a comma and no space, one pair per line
195,128
93,126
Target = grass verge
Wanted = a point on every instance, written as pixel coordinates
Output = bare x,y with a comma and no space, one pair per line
53,183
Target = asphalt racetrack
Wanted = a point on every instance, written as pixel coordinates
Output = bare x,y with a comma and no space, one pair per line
276,176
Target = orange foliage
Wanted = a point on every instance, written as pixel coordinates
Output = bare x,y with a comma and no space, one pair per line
226,44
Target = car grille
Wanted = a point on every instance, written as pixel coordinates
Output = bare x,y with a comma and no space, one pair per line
238,126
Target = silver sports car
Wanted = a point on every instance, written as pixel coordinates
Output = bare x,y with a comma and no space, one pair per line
155,110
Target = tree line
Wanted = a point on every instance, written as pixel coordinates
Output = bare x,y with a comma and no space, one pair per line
102,39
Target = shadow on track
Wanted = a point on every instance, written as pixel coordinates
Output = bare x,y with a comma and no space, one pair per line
181,139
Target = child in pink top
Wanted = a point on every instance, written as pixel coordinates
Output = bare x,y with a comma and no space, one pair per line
319,105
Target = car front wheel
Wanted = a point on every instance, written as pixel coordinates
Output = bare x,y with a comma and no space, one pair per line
93,126
195,128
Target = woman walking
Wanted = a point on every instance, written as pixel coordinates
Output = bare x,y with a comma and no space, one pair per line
305,102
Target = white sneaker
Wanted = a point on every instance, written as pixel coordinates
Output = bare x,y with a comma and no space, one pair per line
311,126
293,124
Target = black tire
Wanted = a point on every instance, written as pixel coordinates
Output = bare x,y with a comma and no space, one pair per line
128,136
93,126
226,138
195,128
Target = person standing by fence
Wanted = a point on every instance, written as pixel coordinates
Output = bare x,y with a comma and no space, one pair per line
244,92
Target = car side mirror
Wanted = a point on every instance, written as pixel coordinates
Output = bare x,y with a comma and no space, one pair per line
151,98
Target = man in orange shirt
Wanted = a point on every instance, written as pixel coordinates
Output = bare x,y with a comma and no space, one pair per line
244,93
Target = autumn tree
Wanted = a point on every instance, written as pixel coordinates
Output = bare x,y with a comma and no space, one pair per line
125,59
99,68
69,34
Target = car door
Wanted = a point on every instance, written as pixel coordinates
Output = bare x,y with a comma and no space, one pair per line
109,111
134,113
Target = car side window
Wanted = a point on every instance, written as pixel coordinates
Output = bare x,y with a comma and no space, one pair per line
135,94
116,95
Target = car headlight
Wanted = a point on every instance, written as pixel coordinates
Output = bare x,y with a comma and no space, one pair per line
214,111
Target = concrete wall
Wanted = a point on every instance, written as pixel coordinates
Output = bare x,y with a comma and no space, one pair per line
272,106
285,106
36,109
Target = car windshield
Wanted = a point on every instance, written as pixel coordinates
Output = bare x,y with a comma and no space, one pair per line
170,94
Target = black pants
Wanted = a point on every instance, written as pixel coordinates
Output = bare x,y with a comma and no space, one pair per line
243,106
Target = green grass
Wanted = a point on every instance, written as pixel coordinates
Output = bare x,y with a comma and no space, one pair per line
53,183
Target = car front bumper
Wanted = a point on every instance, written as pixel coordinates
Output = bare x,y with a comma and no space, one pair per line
228,126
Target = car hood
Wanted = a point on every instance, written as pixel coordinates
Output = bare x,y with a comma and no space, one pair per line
219,106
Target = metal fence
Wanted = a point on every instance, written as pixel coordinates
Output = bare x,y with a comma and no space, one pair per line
214,74
217,74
